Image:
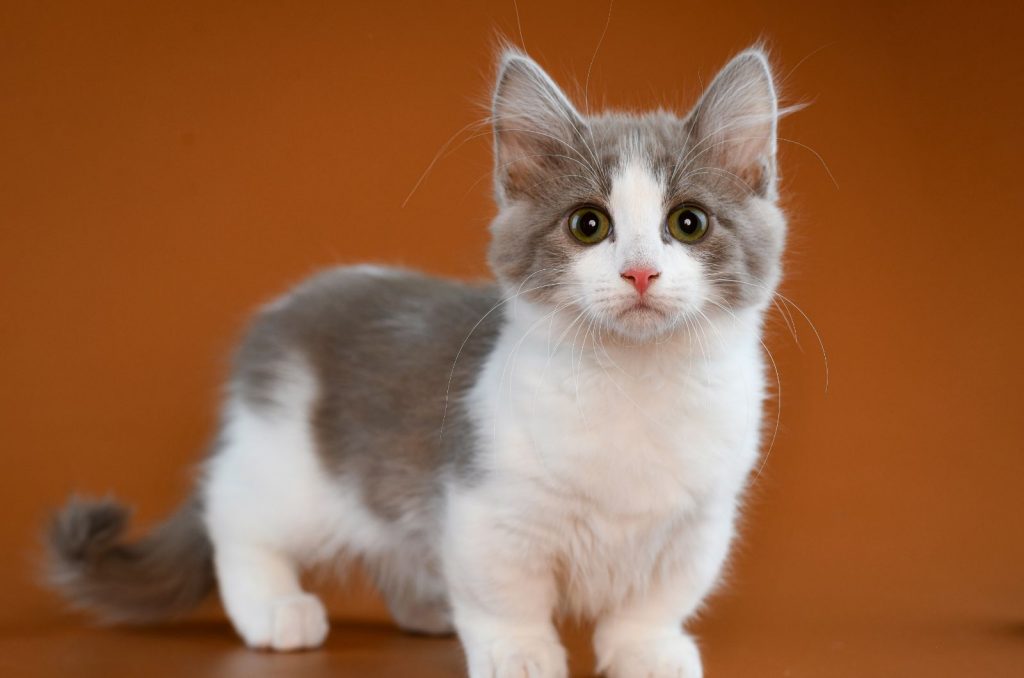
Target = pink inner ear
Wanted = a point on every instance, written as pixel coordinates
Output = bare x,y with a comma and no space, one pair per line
531,150
748,153
742,143
523,155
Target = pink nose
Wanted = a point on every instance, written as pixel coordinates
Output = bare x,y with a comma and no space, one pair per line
641,277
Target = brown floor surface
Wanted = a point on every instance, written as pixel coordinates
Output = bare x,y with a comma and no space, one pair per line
743,646
167,166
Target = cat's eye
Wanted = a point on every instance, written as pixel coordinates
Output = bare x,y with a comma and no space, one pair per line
688,223
589,225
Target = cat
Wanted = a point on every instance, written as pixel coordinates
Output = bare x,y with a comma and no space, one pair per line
572,439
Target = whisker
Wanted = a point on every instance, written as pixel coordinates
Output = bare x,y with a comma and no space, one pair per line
729,175
441,152
515,348
778,393
790,302
817,155
451,374
519,23
590,66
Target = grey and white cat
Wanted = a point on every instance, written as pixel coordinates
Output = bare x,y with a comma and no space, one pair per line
572,440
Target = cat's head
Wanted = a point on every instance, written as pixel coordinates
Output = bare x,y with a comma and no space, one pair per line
638,222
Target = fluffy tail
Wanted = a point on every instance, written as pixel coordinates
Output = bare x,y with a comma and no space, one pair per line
159,576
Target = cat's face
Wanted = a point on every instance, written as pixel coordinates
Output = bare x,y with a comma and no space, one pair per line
638,223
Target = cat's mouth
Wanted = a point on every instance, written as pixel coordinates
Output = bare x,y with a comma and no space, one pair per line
641,307
642,319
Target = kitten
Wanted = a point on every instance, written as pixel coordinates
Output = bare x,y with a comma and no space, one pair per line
572,440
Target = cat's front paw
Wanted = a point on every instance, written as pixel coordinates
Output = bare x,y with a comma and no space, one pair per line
675,656
517,658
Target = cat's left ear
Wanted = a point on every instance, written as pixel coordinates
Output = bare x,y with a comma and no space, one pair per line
734,123
537,130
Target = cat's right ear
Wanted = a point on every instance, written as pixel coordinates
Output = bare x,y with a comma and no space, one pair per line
535,126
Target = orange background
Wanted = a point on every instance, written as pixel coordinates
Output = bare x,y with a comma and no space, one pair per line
167,167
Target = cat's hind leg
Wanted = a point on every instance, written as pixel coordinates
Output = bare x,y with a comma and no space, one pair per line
261,592
417,614
411,581
269,509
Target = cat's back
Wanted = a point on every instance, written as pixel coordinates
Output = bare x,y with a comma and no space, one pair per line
367,322
390,352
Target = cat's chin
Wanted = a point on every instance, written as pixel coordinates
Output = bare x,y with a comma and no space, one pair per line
641,324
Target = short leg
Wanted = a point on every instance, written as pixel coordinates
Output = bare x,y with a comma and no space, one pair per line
646,640
417,597
644,637
261,592
414,614
503,598
511,634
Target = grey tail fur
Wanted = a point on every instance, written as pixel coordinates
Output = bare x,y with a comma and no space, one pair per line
159,576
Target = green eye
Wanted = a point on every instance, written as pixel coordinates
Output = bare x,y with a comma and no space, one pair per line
688,224
589,225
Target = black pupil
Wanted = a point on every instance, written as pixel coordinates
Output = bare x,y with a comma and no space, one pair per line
689,222
589,224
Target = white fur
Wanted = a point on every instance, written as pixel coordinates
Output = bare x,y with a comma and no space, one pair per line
612,470
611,488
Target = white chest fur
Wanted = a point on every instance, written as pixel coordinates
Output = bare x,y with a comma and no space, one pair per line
599,453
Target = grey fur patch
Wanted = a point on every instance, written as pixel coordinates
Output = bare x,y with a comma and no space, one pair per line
161,575
383,346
